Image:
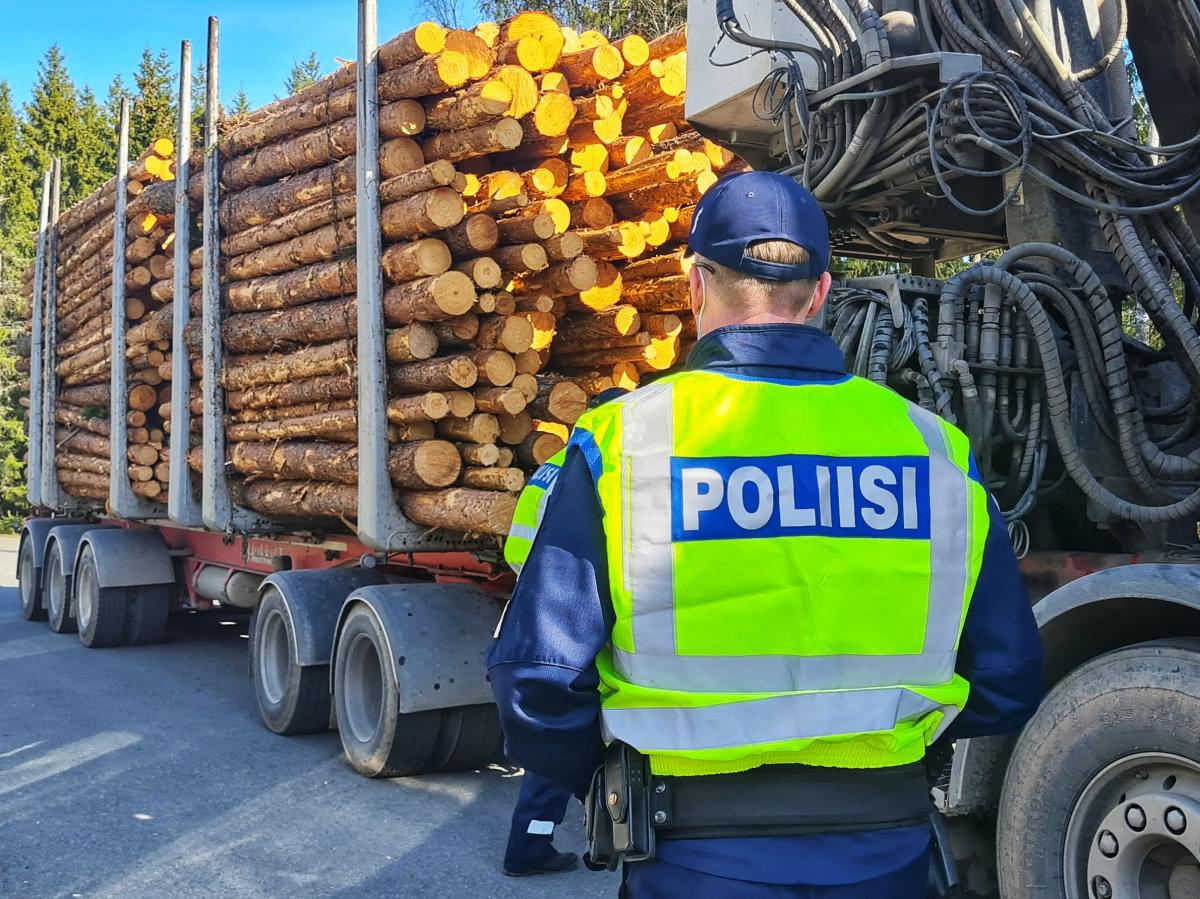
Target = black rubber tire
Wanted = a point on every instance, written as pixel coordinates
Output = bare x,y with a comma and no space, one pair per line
378,741
291,699
55,583
1130,700
471,738
147,613
106,625
29,583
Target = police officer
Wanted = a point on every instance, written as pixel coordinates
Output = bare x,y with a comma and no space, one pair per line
776,583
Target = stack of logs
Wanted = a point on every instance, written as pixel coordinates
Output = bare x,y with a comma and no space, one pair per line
84,334
536,188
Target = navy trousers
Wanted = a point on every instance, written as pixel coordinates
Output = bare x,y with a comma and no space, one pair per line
659,880
540,806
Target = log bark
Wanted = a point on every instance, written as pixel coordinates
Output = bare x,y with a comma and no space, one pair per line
588,69
418,407
526,230
429,299
310,390
264,331
320,245
481,427
510,333
562,279
497,400
601,326
441,373
484,271
294,288
422,214
411,343
84,484
511,480
457,331
524,257
475,234
311,362
425,77
536,448
499,136
415,259
479,103
320,424
558,400
481,454
460,509
514,428
293,499
82,442
241,416
81,462
95,395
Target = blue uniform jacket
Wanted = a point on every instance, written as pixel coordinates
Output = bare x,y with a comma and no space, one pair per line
543,671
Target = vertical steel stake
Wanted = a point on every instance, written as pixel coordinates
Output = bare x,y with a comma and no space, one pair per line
182,507
33,457
380,522
51,496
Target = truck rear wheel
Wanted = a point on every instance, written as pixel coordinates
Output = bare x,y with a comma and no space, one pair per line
377,740
1102,795
146,618
471,737
27,578
291,699
57,592
100,611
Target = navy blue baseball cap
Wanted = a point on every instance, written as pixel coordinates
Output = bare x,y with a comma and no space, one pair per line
746,208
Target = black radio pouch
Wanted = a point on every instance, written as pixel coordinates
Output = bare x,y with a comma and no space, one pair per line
619,824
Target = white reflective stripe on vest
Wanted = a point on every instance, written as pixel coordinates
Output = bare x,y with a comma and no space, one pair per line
949,537
523,531
796,716
647,443
780,673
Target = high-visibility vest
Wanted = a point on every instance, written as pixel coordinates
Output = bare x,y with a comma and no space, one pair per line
790,564
531,506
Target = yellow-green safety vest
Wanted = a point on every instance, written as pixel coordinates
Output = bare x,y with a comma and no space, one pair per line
531,506
790,564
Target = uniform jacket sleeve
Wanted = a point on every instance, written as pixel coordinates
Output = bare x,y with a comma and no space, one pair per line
1000,653
542,665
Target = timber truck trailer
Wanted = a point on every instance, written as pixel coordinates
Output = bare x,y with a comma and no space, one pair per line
932,131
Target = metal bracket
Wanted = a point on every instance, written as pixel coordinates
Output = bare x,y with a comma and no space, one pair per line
217,508
121,498
182,507
946,67
34,457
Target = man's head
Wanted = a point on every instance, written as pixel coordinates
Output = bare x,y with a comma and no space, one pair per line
761,250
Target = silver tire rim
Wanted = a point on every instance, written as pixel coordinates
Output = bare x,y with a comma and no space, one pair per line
363,688
1134,832
274,656
86,594
56,585
28,574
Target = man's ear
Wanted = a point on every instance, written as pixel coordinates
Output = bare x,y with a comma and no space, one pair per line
824,283
696,289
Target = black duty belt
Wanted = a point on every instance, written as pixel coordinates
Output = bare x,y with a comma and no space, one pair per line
782,800
629,808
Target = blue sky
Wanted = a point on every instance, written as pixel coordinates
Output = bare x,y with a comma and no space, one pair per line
260,39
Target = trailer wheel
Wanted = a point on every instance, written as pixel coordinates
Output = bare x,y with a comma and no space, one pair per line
291,699
146,617
1102,795
377,740
470,738
56,592
27,578
100,611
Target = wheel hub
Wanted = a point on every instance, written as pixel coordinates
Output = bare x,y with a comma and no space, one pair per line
363,689
1135,831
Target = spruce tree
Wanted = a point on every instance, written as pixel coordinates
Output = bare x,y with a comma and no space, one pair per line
305,73
154,103
18,203
51,122
241,103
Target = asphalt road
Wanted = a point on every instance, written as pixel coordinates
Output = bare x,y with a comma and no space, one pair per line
145,772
